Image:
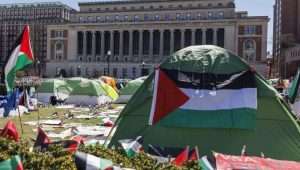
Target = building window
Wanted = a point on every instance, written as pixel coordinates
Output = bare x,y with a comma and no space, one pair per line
136,18
115,72
107,18
126,18
157,17
221,15
250,29
167,17
146,17
178,16
133,72
249,50
188,16
210,15
98,19
199,16
124,72
117,17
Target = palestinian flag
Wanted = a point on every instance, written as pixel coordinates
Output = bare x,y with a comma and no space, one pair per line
182,157
219,100
12,164
293,90
86,161
42,140
205,164
132,147
194,155
10,131
20,57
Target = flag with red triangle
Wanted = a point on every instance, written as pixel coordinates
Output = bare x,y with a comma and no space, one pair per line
20,57
10,131
194,156
166,98
13,163
182,157
202,96
42,140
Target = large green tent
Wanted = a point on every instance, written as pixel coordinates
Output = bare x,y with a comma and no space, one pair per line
53,87
131,87
86,92
269,128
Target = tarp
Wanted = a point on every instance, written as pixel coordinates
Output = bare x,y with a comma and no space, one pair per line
128,91
275,131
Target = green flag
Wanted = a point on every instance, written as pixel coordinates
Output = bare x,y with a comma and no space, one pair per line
293,90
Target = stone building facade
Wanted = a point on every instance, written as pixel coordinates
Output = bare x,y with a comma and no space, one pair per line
13,17
286,39
127,39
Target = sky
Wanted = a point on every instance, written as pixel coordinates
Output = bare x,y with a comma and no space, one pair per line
254,7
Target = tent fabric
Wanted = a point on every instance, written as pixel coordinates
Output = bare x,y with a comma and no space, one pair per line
276,133
128,91
53,87
76,90
110,81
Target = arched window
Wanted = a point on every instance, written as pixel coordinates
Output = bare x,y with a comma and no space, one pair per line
249,50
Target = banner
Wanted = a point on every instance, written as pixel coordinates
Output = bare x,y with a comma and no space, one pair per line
228,162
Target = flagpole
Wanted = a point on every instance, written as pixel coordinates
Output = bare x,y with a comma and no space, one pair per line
20,119
38,109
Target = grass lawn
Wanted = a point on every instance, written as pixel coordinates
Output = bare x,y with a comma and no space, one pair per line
45,113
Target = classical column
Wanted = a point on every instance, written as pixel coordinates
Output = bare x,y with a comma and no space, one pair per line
112,44
121,44
84,58
193,36
141,43
161,43
94,45
203,36
151,44
215,30
172,41
182,38
130,43
102,44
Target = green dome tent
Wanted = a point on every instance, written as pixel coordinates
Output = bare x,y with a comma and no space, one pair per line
128,91
53,87
86,92
206,96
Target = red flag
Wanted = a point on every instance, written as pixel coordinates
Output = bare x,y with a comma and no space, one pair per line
182,157
42,139
10,131
73,146
164,90
194,155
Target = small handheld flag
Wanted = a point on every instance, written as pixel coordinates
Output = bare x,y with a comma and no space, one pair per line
10,131
86,161
42,139
12,164
182,157
132,147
